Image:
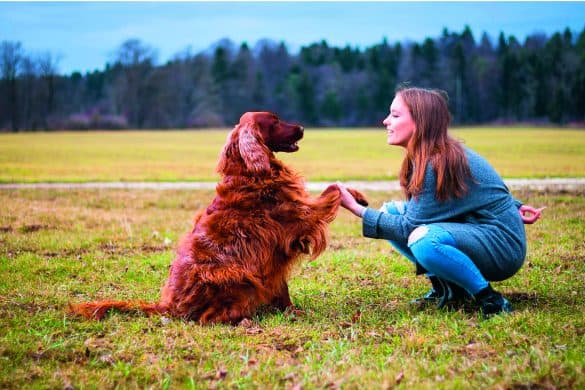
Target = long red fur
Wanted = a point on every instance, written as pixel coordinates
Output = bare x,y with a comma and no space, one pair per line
242,248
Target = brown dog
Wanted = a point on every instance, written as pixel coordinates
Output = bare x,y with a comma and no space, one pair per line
242,247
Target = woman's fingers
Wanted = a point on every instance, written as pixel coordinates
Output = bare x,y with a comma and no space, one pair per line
529,214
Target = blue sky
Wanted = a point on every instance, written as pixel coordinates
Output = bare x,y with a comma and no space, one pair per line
85,34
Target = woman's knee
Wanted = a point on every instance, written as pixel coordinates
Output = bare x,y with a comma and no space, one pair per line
425,242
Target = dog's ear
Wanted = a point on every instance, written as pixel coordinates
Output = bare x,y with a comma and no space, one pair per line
252,149
226,153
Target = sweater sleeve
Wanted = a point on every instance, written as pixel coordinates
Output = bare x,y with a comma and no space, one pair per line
517,203
377,224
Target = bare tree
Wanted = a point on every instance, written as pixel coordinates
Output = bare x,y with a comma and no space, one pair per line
28,93
48,68
10,60
133,52
137,61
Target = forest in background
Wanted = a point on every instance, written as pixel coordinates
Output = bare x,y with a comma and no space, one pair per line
538,81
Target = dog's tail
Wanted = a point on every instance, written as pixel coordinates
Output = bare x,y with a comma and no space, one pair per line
98,310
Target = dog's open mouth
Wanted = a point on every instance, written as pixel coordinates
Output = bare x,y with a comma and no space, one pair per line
284,147
288,146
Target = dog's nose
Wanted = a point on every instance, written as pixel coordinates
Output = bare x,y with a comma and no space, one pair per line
302,129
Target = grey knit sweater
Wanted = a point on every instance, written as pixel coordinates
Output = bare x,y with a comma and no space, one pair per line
485,223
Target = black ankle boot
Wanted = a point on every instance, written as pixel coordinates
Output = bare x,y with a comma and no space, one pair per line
458,293
436,292
444,293
492,302
455,295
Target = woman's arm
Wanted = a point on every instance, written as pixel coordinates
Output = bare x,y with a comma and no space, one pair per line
375,223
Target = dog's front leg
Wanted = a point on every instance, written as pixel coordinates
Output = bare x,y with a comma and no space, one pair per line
283,303
326,205
282,300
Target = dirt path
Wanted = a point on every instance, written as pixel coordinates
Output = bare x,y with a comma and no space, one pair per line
573,185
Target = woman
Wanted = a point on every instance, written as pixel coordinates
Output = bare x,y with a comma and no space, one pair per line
459,225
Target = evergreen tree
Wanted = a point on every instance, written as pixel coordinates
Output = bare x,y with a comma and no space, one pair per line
306,99
331,108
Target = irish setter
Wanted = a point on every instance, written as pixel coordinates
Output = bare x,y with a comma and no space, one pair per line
242,247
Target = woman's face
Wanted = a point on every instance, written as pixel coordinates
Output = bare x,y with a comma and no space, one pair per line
399,123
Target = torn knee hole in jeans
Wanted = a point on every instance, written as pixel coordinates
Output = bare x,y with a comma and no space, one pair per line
417,234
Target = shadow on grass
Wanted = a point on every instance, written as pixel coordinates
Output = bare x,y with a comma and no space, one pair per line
523,298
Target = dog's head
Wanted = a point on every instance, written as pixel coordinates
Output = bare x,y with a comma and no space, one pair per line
255,138
278,135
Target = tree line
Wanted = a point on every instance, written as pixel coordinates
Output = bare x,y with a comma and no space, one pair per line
541,80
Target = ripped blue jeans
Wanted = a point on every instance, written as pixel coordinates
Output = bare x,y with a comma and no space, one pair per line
435,249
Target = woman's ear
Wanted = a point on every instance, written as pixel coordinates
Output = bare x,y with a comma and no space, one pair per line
252,150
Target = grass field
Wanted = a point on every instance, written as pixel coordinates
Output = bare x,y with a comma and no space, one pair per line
324,154
358,329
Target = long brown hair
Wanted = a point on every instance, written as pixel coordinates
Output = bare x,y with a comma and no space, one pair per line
431,143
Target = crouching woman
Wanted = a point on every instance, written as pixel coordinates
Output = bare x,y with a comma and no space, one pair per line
459,224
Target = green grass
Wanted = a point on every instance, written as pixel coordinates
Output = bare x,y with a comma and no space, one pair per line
324,154
358,330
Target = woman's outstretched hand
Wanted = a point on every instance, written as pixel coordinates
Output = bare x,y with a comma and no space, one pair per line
530,214
349,202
